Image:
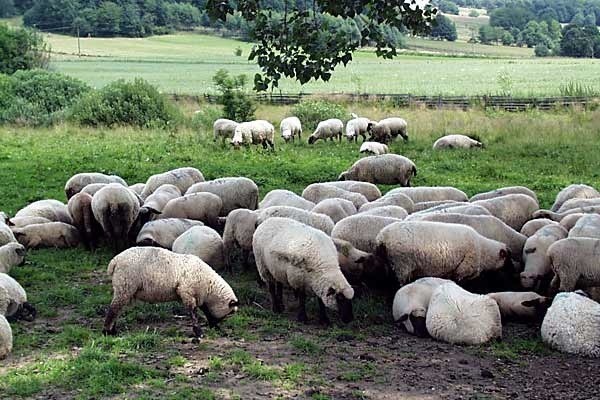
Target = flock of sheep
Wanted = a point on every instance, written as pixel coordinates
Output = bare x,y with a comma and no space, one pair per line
433,246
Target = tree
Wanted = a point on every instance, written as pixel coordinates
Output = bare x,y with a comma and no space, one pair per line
237,105
541,50
55,15
7,8
507,38
444,28
487,34
448,7
580,41
511,17
473,13
21,49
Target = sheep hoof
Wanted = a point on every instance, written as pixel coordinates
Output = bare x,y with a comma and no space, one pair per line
198,332
109,332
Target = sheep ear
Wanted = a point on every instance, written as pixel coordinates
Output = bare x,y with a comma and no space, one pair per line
10,223
20,251
361,260
530,250
234,303
530,303
331,292
503,253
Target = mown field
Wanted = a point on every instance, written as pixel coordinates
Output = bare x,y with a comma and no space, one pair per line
257,354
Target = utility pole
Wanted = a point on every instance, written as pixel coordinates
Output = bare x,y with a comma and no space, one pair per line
78,43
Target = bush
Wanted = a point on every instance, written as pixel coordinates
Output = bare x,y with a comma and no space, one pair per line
21,49
541,50
473,13
237,105
314,111
203,120
136,103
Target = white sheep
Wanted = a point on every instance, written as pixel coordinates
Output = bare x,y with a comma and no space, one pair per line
420,194
254,132
369,190
11,255
290,127
336,209
202,242
521,306
426,205
374,148
237,236
387,169
576,263
355,264
356,127
458,208
328,129
53,210
579,191
24,221
579,203
558,217
388,129
568,222
77,182
160,197
321,222
51,234
587,226
361,230
390,199
281,197
224,128
571,325
306,261
456,142
503,192
235,192
17,305
531,227
183,178
318,192
386,211
156,275
6,340
93,188
4,217
163,232
514,209
80,208
459,317
6,234
202,206
137,188
537,262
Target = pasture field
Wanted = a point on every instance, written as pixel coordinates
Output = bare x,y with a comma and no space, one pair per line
185,63
256,354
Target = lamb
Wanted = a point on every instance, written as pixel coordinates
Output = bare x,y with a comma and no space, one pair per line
24,221
238,192
386,211
361,230
77,182
17,305
536,259
203,242
453,251
411,302
156,275
456,142
421,194
369,190
521,306
280,197
163,232
318,221
6,234
137,188
6,341
51,234
290,127
503,192
328,129
254,132
318,192
11,254
387,169
388,129
306,261
459,317
237,236
575,262
336,209
571,325
224,128
203,206
426,205
580,191
183,178
53,210
357,127
80,208
587,226
355,264
514,209
161,196
393,199
531,227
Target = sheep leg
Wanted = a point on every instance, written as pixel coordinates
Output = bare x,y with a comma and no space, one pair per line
274,302
302,317
264,144
279,294
323,318
195,324
212,321
110,323
272,145
567,283
554,286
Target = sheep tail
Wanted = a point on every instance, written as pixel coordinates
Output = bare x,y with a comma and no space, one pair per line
111,267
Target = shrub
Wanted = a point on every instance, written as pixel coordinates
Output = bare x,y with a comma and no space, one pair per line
136,103
203,119
473,13
237,105
313,111
21,49
541,50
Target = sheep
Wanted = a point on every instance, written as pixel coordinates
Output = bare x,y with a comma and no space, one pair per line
24,221
4,301
156,275
77,182
51,234
93,188
387,169
356,127
318,192
421,194
306,261
514,209
4,218
394,199
571,325
183,178
163,232
11,254
466,209
420,249
587,226
521,306
374,148
355,264
575,263
578,203
202,242
386,211
237,192
6,341
531,227
280,197
328,129
137,188
426,205
361,230
411,302
254,132
558,217
290,127
536,259
369,190
224,128
53,210
161,196
321,222
459,317
203,206
6,234
80,208
456,142
503,192
17,306
569,221
388,129
237,236
580,191
336,209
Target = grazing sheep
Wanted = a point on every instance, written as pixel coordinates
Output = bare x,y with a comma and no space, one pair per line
156,275
254,132
77,182
224,128
394,199
354,263
163,232
53,210
137,188
203,206
386,211
328,129
426,205
357,127
80,208
336,209
578,203
17,306
537,263
280,197
6,341
183,178
318,192
531,227
361,230
587,226
237,236
290,127
92,188
569,221
369,190
387,169
51,234
421,194
576,263
321,222
558,217
420,249
24,221
388,129
459,317
202,242
237,192
11,254
411,302
514,209
521,306
6,234
580,191
306,261
571,325
503,192
456,142
161,196
466,209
